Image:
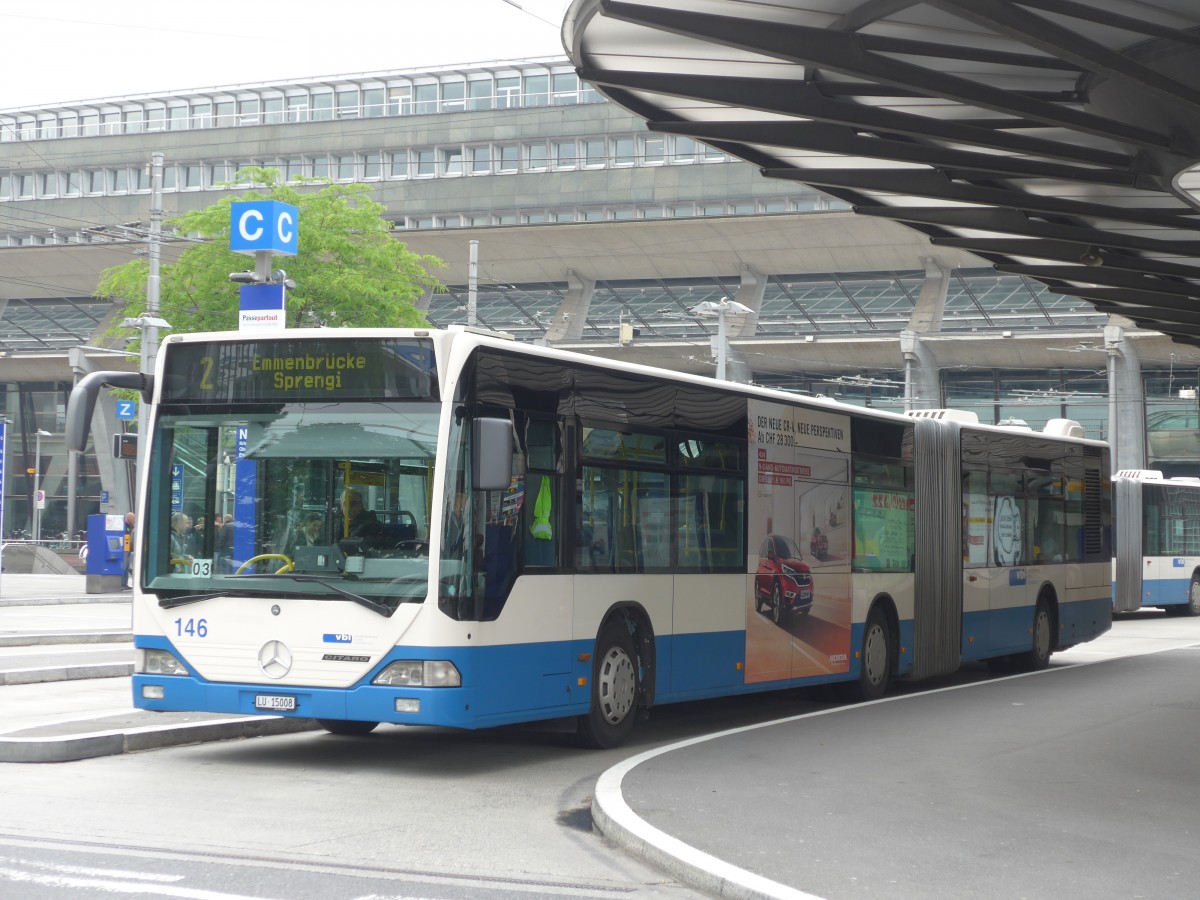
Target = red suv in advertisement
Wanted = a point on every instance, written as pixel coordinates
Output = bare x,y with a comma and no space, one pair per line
783,582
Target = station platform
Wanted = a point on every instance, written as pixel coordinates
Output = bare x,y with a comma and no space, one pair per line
65,660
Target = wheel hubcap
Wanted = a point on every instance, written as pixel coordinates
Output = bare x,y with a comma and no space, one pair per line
616,685
874,654
1042,634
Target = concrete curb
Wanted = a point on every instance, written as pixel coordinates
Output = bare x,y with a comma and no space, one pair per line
110,743
621,826
65,673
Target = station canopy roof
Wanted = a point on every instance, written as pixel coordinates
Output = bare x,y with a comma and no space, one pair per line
822,305
1058,140
54,324
823,274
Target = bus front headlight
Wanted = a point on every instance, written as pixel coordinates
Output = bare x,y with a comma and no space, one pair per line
158,662
420,673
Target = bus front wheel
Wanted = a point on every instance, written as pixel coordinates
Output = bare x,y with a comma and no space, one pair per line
615,689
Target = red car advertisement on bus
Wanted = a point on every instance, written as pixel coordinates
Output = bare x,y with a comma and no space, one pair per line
798,608
783,583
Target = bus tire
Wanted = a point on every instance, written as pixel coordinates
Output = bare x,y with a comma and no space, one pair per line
616,686
878,652
1037,657
1192,607
347,727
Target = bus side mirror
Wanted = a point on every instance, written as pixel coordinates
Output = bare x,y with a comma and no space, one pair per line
82,401
491,452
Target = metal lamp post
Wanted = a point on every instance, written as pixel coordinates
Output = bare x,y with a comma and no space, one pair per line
37,483
725,307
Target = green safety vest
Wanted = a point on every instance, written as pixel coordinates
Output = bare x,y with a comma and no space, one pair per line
541,528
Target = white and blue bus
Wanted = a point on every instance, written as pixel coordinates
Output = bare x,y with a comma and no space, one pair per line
1157,561
449,528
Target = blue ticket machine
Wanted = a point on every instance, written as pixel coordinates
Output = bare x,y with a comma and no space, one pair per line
106,553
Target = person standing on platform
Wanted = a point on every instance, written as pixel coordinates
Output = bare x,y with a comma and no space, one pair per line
127,571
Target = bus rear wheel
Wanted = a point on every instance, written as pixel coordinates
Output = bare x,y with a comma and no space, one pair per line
1037,657
1192,607
616,685
878,649
347,727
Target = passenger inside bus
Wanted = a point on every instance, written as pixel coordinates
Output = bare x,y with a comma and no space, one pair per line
223,548
181,555
360,522
310,534
1049,545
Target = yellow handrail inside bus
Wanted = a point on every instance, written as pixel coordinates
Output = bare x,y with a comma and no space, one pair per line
254,559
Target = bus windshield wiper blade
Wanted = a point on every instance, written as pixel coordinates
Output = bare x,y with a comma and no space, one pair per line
185,599
370,604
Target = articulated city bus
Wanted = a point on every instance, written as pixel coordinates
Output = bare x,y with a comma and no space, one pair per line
1157,559
449,528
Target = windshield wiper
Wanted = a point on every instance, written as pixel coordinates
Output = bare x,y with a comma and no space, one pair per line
370,604
185,599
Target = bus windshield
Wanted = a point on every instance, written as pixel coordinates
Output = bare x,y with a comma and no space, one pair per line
308,499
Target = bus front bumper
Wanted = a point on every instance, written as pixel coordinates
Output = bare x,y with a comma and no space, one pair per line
366,703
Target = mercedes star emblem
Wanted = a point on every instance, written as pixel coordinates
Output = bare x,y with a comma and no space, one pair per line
275,659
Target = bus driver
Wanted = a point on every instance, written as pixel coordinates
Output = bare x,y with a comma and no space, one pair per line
360,522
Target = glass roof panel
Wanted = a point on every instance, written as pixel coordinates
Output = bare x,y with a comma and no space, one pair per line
57,324
879,302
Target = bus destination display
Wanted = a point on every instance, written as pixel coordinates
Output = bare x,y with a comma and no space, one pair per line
264,370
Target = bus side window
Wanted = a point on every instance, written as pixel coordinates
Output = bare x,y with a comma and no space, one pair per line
627,546
653,528
1008,507
597,513
1049,510
708,494
976,518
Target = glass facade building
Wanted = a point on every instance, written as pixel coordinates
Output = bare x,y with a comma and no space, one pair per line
519,147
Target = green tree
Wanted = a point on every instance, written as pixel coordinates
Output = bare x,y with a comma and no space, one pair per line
349,269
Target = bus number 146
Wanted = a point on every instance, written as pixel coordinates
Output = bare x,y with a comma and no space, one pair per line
191,627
